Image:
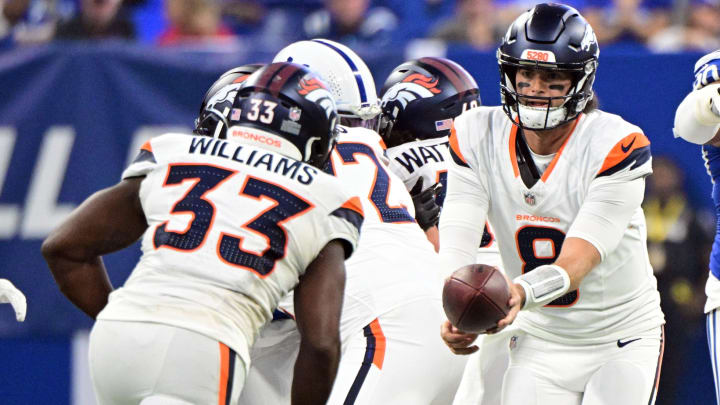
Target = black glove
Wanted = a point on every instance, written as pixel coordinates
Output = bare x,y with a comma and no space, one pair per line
427,212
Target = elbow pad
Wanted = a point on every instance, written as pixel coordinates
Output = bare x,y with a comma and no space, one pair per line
697,118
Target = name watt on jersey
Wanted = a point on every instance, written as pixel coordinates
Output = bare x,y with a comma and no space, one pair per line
417,156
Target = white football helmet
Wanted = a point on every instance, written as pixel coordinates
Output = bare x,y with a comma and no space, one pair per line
347,76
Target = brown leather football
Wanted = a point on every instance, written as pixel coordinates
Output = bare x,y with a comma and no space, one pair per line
475,298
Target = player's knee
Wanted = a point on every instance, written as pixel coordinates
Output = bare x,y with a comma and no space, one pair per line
519,387
164,400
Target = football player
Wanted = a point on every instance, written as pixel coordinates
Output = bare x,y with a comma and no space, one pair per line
562,184
229,225
393,287
697,120
420,99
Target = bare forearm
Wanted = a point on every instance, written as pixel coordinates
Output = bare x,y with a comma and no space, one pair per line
85,284
315,371
578,258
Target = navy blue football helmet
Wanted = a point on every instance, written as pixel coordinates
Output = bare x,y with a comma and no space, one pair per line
219,98
287,108
421,98
551,37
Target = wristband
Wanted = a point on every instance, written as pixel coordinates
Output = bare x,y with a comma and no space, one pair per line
543,284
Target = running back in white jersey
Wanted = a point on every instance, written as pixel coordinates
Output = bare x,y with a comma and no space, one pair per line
394,258
619,296
429,159
231,228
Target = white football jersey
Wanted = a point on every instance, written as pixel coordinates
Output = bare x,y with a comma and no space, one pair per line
429,159
619,296
394,262
231,228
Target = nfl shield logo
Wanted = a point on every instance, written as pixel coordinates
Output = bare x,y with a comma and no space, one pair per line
294,113
530,198
235,114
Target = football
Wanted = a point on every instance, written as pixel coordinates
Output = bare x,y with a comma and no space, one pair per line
475,298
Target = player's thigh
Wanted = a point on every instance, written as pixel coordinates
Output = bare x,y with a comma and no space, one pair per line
272,360
132,361
524,386
363,351
540,373
399,358
483,376
629,377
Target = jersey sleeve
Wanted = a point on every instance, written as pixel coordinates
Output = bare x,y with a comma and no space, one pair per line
144,162
606,212
628,159
464,209
345,223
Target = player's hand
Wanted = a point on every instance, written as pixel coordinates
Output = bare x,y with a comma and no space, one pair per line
8,293
458,341
516,302
427,212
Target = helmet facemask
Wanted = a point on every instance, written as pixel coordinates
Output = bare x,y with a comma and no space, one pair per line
539,118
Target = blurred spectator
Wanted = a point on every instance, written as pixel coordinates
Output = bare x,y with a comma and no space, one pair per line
353,23
701,31
630,22
678,248
98,19
194,21
32,21
475,23
246,15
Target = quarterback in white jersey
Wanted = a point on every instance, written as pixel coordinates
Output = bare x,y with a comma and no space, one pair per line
697,120
563,190
228,228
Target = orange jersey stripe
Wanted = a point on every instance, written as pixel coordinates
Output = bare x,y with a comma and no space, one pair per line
380,344
354,204
382,145
513,155
224,373
623,149
146,146
455,146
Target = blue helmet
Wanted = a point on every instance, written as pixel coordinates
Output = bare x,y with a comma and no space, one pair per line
551,37
287,108
421,98
219,97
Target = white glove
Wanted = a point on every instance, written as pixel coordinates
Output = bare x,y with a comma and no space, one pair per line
708,104
8,293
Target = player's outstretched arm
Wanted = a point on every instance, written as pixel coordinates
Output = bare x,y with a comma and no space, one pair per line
107,221
10,294
318,304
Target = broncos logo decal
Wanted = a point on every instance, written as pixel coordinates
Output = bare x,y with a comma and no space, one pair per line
424,81
411,88
314,90
222,101
308,85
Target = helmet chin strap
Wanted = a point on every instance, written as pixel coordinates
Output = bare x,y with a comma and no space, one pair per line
529,173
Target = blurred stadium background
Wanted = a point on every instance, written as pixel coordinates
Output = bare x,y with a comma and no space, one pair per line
84,82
